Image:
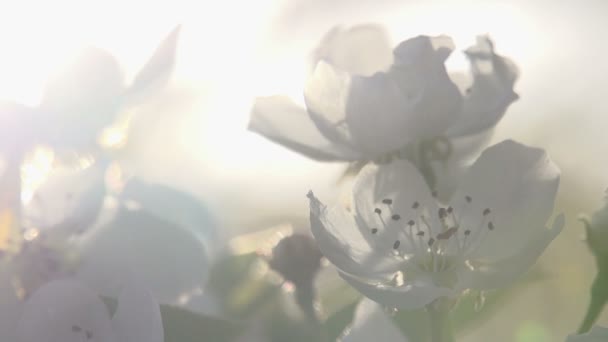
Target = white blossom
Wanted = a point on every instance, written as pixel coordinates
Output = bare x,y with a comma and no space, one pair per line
401,247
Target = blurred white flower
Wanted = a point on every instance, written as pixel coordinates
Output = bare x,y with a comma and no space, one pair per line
371,323
85,97
596,334
64,311
403,249
364,102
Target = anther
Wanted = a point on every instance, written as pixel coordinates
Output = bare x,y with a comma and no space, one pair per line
468,199
434,193
490,225
411,222
396,217
447,234
387,201
420,233
431,242
378,211
467,232
442,213
486,211
89,335
415,205
76,328
450,210
396,244
374,230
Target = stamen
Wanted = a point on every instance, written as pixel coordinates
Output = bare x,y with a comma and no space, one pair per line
378,211
447,234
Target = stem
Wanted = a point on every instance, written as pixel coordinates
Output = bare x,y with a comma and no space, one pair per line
599,298
439,317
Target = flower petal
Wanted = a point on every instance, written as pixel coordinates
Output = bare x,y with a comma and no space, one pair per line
137,317
139,246
383,112
386,197
157,70
82,100
65,311
361,49
489,276
279,119
515,186
371,323
596,334
491,93
409,296
341,242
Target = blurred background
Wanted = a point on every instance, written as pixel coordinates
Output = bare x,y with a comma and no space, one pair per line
190,139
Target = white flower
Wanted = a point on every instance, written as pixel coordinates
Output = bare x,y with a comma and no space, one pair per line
364,101
64,311
85,97
372,323
403,249
597,334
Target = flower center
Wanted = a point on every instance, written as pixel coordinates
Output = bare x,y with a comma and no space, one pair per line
435,247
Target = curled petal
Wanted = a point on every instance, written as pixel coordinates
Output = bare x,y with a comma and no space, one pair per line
65,311
409,296
506,197
279,119
361,50
372,323
489,276
491,93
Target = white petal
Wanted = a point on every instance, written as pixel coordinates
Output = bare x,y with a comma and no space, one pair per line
82,100
518,184
489,276
342,243
137,317
157,70
400,182
362,49
65,311
491,93
409,296
383,112
596,334
371,323
279,119
138,246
